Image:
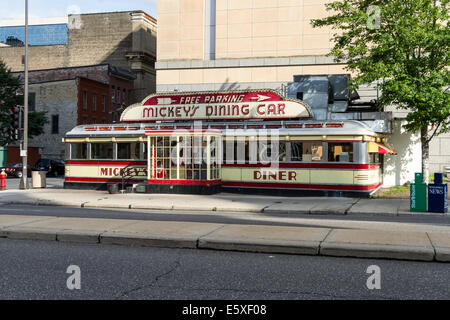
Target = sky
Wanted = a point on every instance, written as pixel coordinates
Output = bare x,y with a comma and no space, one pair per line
14,10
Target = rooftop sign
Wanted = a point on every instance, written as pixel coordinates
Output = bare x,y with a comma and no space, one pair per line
218,105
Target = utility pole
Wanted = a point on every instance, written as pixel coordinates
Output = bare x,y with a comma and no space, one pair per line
24,150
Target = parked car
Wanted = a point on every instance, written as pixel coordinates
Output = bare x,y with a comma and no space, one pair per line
16,170
53,167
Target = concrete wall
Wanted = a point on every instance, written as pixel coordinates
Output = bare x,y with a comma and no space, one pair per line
59,97
400,168
440,153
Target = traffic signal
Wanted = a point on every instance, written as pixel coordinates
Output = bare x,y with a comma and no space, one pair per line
15,122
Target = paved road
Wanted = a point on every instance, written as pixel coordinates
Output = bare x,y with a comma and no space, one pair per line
215,217
37,270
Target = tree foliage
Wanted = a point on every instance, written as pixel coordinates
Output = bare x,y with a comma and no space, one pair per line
10,89
11,95
403,43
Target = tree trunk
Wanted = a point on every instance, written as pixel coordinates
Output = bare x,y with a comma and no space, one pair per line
425,153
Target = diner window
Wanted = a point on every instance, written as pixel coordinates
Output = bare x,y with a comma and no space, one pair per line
306,151
78,151
312,151
103,150
374,158
128,150
296,151
340,152
266,152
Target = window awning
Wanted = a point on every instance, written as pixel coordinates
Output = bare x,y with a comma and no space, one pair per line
379,148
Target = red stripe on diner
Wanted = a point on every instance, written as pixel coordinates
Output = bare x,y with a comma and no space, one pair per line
306,165
70,179
103,162
300,186
184,182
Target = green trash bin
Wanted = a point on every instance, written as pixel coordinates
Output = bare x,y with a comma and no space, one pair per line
418,194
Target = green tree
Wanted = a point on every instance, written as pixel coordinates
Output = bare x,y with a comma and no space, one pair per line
403,45
11,95
10,89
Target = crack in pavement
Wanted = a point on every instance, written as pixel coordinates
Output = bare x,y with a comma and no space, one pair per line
149,285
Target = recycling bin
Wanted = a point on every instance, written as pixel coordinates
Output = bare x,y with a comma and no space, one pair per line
418,194
437,195
39,179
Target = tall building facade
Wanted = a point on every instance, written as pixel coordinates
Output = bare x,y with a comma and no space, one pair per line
208,45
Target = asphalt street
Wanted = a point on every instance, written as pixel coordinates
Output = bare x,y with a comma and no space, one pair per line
37,270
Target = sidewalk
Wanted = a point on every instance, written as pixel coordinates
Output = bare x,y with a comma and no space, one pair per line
231,202
344,238
325,241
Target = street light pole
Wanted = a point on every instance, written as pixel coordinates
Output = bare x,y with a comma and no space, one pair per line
24,151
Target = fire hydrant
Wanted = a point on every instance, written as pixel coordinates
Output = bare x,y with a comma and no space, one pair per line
3,176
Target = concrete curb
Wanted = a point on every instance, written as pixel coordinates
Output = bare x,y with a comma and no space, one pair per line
265,246
442,254
360,250
144,241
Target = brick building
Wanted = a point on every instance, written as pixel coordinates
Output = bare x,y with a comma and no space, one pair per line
84,70
126,40
74,96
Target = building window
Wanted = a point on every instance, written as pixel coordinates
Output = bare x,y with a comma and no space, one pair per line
103,103
84,120
340,152
118,95
94,120
55,124
84,100
32,101
103,120
124,96
94,102
129,97
113,92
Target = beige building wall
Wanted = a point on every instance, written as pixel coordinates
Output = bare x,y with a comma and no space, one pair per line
270,28
180,26
258,44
